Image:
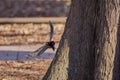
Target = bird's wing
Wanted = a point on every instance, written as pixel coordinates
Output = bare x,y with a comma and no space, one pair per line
38,51
51,30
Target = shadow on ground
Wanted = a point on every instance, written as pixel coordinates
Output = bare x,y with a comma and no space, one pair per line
21,55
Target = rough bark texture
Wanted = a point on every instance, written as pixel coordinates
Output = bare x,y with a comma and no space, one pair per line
116,70
106,40
87,48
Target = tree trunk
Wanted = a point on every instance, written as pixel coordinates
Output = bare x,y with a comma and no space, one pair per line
116,70
87,47
106,39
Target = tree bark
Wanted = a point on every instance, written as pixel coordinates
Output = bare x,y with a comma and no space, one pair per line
106,39
116,70
87,47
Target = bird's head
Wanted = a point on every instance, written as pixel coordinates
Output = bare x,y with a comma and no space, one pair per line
52,44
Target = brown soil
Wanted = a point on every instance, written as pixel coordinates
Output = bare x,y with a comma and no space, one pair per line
24,70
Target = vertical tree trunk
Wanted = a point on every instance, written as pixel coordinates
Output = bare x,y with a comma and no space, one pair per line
106,39
116,70
87,47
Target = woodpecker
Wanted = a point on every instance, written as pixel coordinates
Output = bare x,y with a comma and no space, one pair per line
50,44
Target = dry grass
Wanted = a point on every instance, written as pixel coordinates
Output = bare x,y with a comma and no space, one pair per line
23,70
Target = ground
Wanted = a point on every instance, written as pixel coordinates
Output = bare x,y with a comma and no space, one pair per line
14,67
24,70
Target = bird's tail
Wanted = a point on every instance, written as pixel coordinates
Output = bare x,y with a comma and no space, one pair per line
38,51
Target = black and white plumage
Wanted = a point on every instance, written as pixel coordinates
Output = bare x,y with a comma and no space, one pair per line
50,44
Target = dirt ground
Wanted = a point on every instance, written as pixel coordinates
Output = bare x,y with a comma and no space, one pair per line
30,69
24,70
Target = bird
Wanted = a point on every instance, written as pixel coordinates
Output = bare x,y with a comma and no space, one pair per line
50,44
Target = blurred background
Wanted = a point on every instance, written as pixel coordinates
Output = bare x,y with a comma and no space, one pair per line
34,8
24,28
